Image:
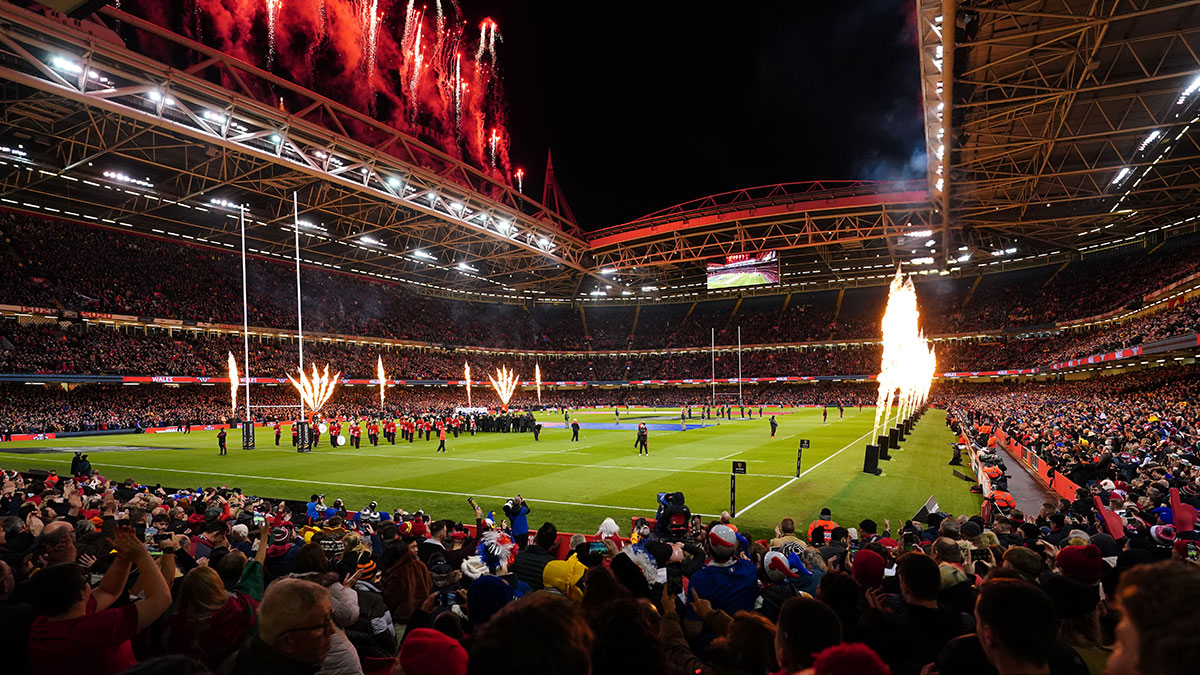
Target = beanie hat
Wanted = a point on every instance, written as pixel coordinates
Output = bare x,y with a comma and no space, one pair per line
867,568
847,659
776,566
486,596
1163,534
1072,598
430,652
826,513
970,529
1081,563
722,539
473,567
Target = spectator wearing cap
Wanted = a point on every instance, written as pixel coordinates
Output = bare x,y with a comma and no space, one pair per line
282,549
727,582
825,521
532,560
1078,607
789,577
868,531
374,634
867,569
430,652
1082,563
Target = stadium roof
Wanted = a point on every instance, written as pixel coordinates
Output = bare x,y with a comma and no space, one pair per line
1066,129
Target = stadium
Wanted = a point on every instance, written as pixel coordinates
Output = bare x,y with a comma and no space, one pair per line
298,375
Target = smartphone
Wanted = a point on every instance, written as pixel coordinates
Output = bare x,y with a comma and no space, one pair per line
259,520
597,548
447,598
1193,551
978,554
910,542
674,581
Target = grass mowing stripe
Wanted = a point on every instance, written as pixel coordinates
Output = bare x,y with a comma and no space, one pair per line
519,461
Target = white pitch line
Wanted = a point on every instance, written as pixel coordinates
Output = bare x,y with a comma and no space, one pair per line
803,474
364,487
732,454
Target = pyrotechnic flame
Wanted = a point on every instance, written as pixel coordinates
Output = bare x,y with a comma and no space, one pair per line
494,142
382,379
521,180
467,377
505,384
908,363
233,382
315,391
537,377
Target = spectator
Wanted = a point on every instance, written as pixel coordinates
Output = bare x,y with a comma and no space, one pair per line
209,623
805,627
1017,626
1156,636
727,582
295,630
548,636
531,561
76,625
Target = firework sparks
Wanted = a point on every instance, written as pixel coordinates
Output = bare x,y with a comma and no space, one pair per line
368,18
273,7
315,391
537,378
494,143
467,377
521,180
458,94
382,379
233,382
908,363
504,384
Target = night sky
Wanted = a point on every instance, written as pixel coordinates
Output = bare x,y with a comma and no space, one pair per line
650,106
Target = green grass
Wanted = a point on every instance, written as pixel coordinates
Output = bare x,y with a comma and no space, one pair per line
575,485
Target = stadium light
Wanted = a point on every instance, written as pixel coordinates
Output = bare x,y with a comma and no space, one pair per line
423,254
608,270
1125,171
963,258
372,241
919,233
1187,93
467,268
1149,139
394,182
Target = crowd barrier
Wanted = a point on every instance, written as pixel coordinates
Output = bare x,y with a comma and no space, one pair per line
1061,485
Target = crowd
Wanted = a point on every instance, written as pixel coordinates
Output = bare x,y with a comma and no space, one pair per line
26,409
149,277
111,576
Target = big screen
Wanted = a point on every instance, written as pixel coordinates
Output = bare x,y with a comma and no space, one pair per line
744,269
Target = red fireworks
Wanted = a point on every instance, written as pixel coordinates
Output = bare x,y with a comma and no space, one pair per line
402,63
